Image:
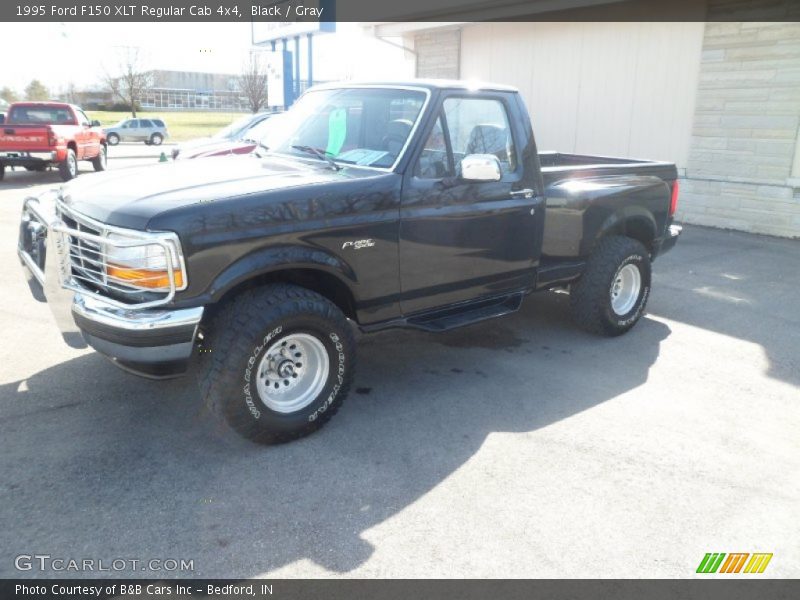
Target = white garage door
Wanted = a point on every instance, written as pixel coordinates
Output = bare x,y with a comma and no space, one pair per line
623,89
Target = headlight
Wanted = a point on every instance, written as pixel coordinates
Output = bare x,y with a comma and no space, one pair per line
142,265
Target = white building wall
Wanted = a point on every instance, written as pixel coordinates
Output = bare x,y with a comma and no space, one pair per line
625,89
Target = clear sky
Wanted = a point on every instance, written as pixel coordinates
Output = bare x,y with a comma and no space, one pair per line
60,53
80,53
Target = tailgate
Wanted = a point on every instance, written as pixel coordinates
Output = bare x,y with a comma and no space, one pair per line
23,138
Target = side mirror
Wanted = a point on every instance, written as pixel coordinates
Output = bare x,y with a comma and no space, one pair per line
480,167
95,123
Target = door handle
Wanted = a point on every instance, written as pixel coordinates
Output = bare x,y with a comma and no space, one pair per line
526,193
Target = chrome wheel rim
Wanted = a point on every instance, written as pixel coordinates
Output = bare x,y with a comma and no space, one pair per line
625,289
72,165
103,156
292,372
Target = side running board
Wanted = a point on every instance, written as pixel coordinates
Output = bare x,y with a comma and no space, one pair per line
467,314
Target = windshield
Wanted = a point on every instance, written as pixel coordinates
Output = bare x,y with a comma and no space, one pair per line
361,126
235,129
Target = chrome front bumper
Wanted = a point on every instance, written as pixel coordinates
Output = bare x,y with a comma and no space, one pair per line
153,342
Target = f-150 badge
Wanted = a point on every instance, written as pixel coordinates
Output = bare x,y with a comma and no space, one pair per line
358,244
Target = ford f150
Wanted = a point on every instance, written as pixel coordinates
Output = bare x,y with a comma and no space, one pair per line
419,204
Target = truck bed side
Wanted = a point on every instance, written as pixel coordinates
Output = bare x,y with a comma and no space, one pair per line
589,197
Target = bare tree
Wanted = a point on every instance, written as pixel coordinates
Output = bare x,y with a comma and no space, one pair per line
253,82
71,94
131,80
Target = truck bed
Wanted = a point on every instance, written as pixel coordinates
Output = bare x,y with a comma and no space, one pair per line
557,166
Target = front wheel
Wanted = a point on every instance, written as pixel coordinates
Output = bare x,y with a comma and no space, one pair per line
156,139
113,139
277,363
612,293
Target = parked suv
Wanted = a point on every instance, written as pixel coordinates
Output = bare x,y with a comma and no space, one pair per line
149,131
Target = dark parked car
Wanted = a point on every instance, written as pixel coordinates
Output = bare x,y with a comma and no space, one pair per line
240,137
419,204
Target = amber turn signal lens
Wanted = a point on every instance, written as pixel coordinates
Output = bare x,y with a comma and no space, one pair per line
145,278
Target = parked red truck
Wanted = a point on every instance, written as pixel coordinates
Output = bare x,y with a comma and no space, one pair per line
36,135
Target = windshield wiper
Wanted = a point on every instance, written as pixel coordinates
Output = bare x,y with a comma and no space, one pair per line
319,154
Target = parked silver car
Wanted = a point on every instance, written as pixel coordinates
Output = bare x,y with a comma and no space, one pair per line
150,131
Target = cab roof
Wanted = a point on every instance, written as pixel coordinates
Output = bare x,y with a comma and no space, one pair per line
430,84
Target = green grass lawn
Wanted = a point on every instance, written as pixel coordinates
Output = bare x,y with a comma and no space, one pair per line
181,125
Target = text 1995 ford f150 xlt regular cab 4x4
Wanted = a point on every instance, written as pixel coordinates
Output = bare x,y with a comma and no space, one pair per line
417,204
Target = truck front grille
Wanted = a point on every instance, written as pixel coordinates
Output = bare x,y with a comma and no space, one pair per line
88,247
86,256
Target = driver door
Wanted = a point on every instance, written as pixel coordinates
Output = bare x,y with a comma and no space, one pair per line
89,143
462,240
127,131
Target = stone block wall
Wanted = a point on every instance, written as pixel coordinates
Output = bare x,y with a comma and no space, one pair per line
438,54
743,163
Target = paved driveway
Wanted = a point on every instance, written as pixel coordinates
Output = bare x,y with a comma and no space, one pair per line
515,448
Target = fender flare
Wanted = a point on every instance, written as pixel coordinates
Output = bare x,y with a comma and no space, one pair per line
278,258
622,221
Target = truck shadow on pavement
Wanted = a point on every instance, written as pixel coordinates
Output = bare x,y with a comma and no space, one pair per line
98,463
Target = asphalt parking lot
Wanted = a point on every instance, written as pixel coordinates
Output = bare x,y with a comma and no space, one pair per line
520,447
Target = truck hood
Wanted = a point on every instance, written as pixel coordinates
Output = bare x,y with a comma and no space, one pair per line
131,197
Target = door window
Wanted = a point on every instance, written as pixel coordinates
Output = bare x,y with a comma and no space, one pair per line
435,161
82,118
480,126
145,123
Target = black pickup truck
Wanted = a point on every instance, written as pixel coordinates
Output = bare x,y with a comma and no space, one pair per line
417,204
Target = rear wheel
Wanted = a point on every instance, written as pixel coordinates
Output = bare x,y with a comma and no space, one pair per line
277,363
99,162
611,295
68,168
